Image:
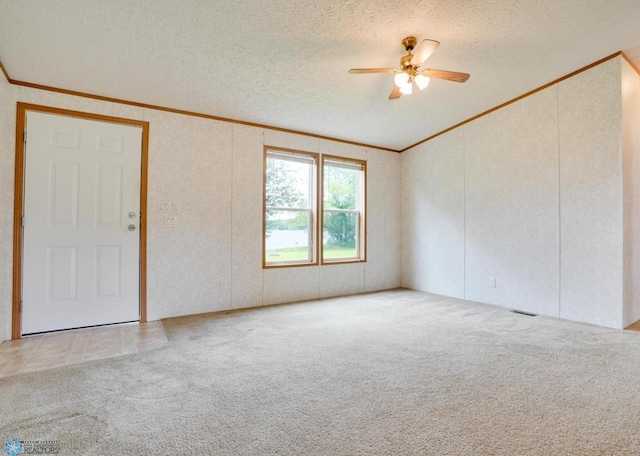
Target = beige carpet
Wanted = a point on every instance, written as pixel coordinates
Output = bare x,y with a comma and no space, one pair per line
390,373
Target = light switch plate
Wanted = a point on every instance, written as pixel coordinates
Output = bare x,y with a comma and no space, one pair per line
164,206
176,207
170,220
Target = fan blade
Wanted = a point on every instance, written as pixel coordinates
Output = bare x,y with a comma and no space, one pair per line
372,70
448,75
395,93
423,52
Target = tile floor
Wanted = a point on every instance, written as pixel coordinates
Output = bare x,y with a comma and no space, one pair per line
47,351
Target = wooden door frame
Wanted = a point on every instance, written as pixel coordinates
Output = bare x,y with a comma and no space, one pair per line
18,203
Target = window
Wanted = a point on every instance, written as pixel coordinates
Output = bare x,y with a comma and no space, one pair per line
290,196
343,209
292,236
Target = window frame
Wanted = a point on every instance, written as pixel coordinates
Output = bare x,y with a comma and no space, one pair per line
317,211
313,209
361,220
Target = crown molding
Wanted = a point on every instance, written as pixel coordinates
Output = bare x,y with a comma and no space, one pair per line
185,112
531,92
631,64
303,133
4,71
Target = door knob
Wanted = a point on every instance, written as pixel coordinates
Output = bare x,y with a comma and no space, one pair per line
132,215
132,227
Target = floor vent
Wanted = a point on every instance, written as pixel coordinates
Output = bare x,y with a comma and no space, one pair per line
520,312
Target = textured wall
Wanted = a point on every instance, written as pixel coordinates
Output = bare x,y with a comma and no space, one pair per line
543,203
246,266
433,216
511,175
7,138
481,202
213,170
631,158
190,163
591,196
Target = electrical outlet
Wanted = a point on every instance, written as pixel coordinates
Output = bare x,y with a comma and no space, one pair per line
171,220
492,282
224,285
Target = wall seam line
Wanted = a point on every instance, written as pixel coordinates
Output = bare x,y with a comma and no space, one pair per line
624,193
384,241
233,174
262,223
559,206
464,213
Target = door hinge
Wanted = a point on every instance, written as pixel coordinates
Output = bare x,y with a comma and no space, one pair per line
23,221
24,136
20,306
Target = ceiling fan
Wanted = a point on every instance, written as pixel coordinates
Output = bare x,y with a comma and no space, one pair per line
410,71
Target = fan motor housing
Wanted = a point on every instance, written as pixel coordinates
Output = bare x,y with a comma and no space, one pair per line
405,61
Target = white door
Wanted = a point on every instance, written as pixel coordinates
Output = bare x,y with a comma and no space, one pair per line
81,264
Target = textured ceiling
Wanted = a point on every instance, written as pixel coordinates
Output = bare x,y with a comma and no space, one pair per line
284,63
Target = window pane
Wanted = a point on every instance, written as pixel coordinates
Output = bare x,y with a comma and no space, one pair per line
339,237
288,183
287,236
340,187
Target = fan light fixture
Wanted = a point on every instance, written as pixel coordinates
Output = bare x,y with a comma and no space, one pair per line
401,79
410,71
421,81
404,80
406,89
